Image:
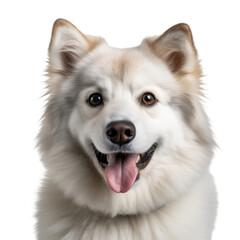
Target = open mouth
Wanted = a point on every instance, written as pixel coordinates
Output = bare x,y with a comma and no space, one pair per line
122,169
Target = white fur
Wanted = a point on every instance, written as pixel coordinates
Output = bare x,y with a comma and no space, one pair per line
191,217
174,199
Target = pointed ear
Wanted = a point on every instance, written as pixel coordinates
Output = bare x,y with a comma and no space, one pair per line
68,45
176,48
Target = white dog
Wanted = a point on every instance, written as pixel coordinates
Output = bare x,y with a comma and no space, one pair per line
125,140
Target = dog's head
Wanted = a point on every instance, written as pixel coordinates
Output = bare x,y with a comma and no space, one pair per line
125,121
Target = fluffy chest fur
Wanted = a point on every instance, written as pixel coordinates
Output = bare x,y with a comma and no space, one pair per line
191,215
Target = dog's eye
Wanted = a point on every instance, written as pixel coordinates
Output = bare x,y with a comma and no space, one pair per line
95,99
148,99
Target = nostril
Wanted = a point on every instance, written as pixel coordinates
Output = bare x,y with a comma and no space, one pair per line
111,132
128,133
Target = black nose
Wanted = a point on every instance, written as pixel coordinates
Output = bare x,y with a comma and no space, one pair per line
120,132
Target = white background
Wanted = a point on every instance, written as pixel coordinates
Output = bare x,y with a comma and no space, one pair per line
25,29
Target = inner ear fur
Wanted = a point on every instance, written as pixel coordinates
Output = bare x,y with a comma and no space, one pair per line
175,47
67,46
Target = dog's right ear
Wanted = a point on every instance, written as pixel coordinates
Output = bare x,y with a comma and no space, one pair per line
68,45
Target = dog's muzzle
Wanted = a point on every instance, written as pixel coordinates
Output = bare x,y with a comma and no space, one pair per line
122,165
122,168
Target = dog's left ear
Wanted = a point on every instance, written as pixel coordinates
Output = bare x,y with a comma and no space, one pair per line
176,48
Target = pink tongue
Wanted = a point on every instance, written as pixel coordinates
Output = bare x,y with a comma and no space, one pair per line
121,172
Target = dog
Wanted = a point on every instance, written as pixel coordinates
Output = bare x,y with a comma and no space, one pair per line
125,140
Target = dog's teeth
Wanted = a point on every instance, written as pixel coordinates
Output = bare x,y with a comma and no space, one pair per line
138,158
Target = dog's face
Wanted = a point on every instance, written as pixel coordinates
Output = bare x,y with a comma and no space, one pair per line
118,109
126,121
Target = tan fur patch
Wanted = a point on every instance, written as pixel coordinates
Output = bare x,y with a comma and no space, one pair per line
187,30
186,80
163,51
92,41
119,67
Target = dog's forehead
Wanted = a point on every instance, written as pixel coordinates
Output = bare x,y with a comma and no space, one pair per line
115,69
127,65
